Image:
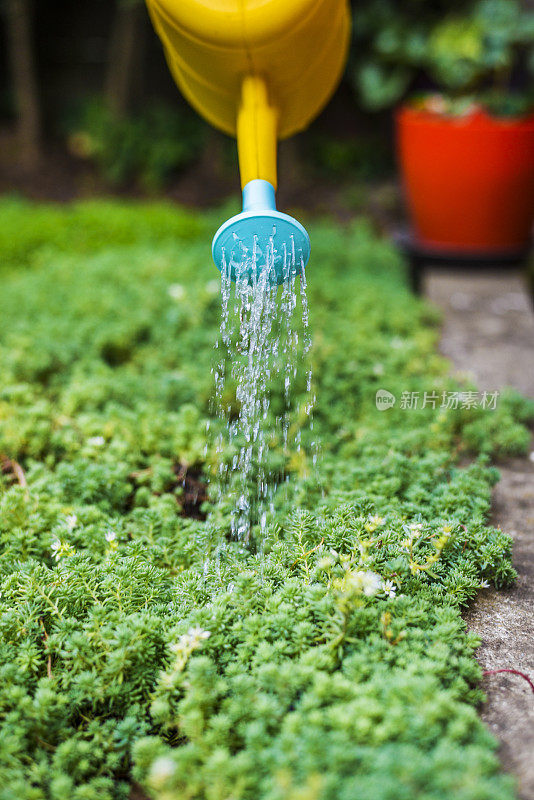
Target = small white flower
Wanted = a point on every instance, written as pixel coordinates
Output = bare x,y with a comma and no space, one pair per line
389,588
96,441
188,642
326,562
110,536
483,585
373,523
416,526
71,522
367,582
176,291
162,769
61,549
213,287
376,520
196,634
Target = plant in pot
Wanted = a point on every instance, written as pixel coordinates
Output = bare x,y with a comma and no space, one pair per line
466,154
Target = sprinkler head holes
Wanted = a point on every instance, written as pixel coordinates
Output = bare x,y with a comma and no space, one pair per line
261,238
249,243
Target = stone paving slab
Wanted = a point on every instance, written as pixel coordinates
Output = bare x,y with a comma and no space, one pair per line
488,333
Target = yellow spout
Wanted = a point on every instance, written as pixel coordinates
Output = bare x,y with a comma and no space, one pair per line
257,123
260,70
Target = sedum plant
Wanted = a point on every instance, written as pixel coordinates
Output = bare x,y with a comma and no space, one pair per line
145,653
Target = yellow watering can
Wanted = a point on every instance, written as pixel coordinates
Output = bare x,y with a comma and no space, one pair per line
259,70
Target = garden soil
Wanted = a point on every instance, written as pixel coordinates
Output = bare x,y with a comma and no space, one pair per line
488,332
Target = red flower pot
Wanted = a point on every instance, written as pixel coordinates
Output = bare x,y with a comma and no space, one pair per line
469,181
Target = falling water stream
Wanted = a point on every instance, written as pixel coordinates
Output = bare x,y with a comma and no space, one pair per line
264,342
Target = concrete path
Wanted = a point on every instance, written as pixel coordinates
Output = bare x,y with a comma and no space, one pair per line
488,332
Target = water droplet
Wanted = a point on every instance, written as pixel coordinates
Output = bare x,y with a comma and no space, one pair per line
261,351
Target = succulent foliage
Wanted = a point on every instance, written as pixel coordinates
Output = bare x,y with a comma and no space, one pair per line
138,642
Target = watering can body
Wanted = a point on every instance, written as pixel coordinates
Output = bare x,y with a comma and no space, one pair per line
296,47
259,70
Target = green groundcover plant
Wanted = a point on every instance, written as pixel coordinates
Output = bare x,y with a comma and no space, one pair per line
140,646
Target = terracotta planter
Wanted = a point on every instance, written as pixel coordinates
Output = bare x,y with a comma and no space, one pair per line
469,181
